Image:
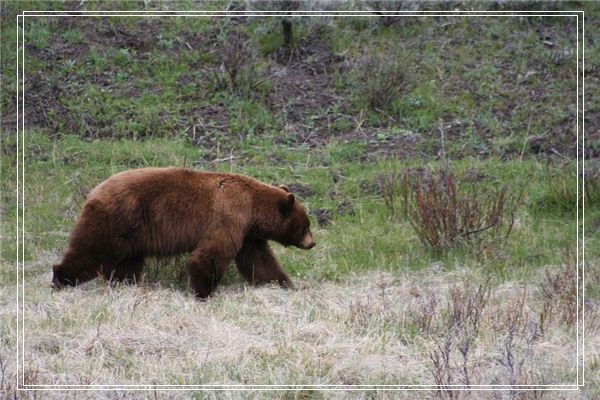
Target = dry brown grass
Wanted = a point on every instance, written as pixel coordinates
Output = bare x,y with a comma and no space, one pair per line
377,328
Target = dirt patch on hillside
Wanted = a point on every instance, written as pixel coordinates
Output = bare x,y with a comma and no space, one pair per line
303,91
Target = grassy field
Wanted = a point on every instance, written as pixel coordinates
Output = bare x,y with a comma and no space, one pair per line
436,157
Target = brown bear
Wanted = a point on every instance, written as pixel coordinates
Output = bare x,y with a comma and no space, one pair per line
217,217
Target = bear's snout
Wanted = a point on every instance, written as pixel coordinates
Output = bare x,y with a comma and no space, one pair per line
307,242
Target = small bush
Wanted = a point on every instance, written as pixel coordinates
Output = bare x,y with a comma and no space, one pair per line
238,66
514,347
446,213
450,359
381,80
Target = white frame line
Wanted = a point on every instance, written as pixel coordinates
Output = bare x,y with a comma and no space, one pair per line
96,14
577,198
309,12
583,197
17,208
21,309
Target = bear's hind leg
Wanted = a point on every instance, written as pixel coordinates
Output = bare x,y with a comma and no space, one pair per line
257,263
127,271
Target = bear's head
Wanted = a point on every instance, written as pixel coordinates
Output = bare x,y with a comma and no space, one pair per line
295,225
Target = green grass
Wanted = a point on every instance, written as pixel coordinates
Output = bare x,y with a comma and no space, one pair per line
370,237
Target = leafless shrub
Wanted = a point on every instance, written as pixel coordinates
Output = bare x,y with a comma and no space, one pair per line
519,333
515,327
427,312
382,79
450,362
442,370
465,309
559,296
510,359
514,352
238,58
447,213
466,304
238,66
447,210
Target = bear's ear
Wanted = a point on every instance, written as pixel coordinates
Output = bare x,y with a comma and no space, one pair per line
287,205
284,188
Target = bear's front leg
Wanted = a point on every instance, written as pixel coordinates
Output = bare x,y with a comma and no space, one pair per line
257,263
127,271
207,265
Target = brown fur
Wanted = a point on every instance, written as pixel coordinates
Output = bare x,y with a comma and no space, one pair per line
216,217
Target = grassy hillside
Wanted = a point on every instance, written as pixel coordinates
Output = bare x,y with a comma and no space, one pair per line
436,157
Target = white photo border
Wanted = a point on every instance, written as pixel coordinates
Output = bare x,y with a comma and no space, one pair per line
20,177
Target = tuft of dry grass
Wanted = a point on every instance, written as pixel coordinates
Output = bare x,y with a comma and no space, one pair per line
558,291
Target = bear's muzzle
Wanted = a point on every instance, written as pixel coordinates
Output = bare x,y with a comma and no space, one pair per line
307,242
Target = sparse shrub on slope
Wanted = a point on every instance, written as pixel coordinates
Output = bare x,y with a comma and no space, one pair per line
238,70
447,211
382,79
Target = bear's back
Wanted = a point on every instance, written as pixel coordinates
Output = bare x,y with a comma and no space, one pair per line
167,210
175,190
